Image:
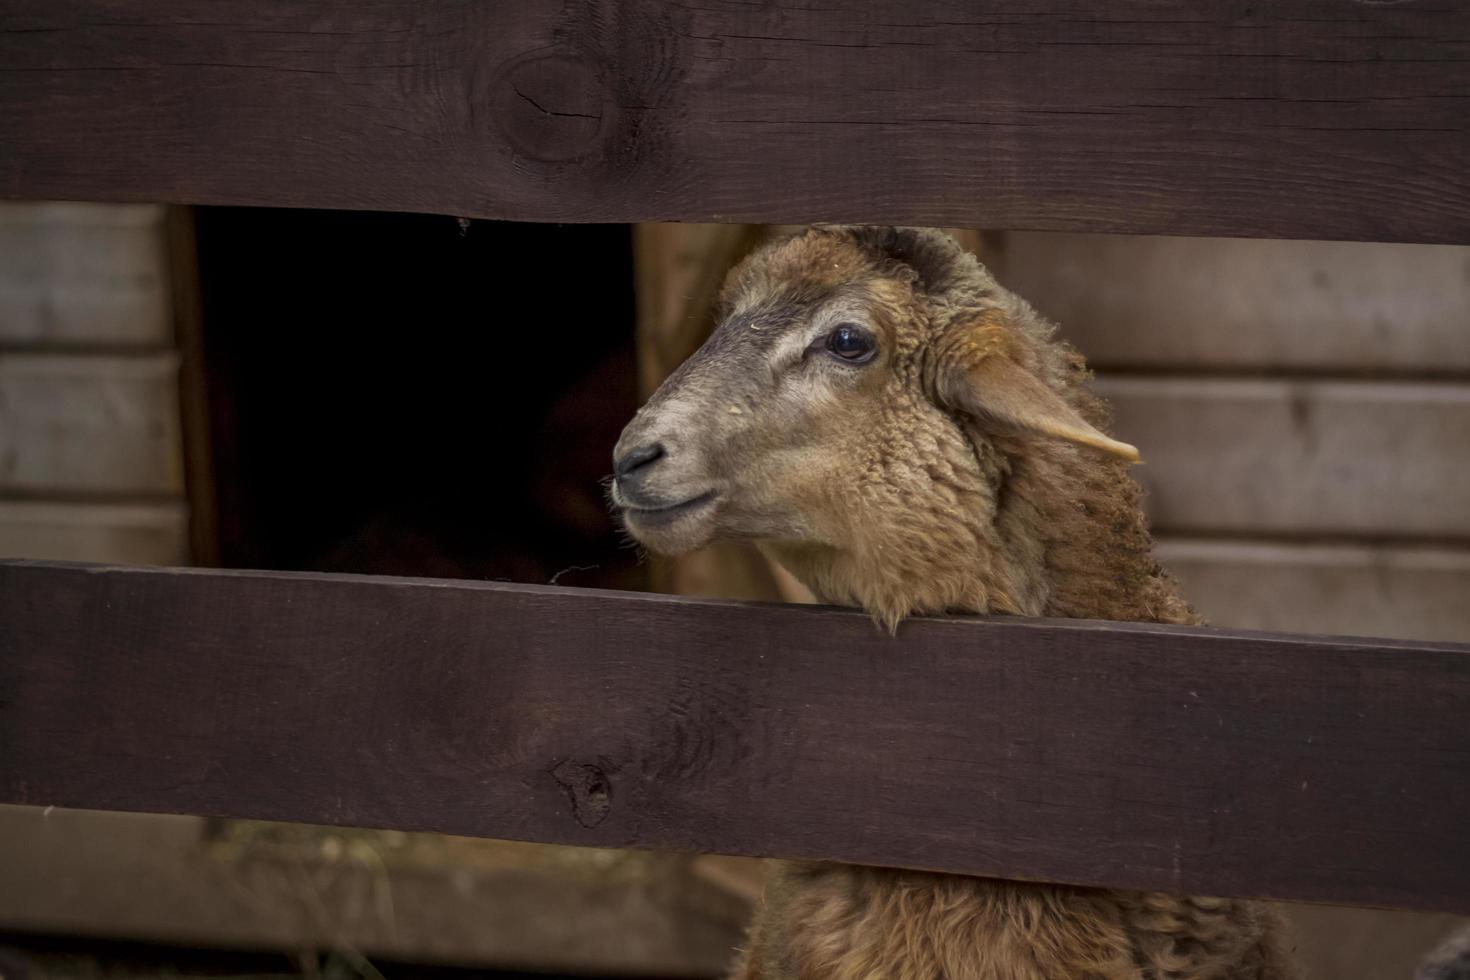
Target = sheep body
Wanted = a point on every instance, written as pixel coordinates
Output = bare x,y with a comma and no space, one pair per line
839,922
961,465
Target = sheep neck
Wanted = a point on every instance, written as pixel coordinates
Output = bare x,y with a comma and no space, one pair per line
1041,530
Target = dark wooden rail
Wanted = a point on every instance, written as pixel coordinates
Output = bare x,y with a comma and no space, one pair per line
1289,118
1194,760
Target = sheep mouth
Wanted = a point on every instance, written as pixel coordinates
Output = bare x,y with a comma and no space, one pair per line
649,517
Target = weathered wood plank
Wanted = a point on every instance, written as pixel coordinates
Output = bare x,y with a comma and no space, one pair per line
1299,457
135,534
90,424
1228,304
1299,118
200,462
446,900
1365,944
1411,593
1185,759
76,274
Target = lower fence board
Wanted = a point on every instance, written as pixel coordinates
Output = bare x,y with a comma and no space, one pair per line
1192,760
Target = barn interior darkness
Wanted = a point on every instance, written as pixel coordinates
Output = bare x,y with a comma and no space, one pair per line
415,394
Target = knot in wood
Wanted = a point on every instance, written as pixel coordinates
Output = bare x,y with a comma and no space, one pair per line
588,789
553,107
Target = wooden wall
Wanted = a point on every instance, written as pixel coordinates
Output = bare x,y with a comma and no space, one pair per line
414,898
1303,410
95,302
90,433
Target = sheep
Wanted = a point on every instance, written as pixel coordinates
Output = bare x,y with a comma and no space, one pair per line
903,435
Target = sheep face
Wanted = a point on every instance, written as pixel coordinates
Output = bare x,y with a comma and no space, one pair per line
853,412
768,429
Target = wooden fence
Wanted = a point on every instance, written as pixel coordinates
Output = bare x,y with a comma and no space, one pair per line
1102,753
1291,119
1182,759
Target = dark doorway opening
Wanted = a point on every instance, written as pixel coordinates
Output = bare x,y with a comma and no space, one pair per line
415,394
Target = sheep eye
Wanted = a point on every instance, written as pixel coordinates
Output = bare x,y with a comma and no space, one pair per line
851,343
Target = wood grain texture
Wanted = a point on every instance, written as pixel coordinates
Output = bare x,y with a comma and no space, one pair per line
477,903
134,534
196,447
1185,759
1230,305
1360,589
82,424
76,275
1298,118
1365,944
1299,457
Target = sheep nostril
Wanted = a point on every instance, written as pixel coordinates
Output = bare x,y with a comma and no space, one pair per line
637,458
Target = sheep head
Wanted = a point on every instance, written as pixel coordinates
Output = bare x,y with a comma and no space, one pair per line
857,412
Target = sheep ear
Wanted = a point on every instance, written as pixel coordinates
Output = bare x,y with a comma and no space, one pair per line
992,388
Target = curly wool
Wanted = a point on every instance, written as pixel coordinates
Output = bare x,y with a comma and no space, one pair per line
840,922
997,522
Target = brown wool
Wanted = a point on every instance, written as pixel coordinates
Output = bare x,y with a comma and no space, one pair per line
966,468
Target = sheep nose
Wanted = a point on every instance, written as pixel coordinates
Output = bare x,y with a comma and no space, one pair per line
637,458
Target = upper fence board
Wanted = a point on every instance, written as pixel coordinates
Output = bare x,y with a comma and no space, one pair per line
1295,118
1186,760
